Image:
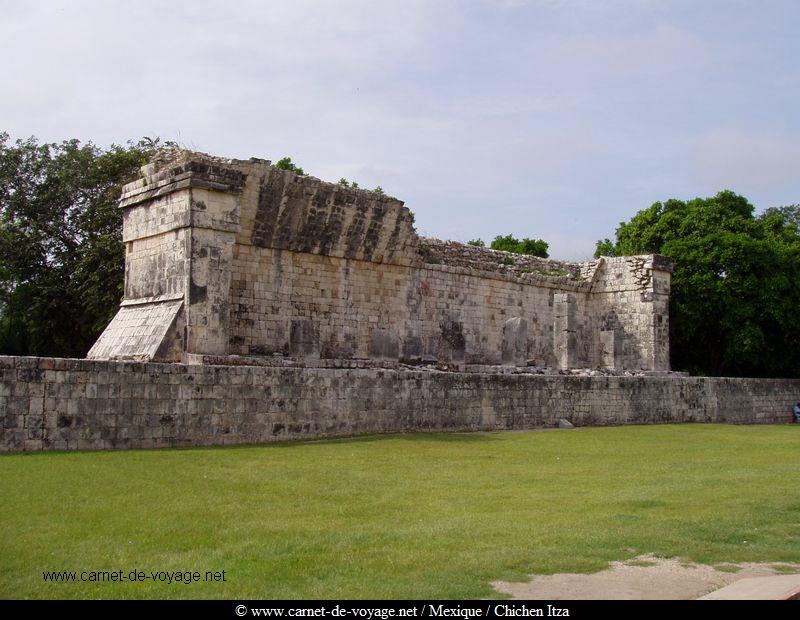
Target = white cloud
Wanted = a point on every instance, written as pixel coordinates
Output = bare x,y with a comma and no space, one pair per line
543,118
755,162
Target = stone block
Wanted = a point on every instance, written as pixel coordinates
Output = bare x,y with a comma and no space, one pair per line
611,349
515,342
451,346
565,341
385,345
304,338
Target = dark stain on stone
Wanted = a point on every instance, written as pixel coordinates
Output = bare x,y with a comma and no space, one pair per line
373,234
392,244
213,173
312,231
452,333
197,293
270,197
294,213
355,232
333,225
336,349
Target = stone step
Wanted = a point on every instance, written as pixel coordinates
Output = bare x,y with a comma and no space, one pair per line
772,588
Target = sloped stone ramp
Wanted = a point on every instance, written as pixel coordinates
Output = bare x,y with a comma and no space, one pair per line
649,577
775,587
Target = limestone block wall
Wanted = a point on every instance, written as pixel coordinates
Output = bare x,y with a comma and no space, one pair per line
61,404
266,262
430,310
631,305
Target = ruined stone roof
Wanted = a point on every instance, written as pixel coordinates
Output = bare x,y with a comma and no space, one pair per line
454,253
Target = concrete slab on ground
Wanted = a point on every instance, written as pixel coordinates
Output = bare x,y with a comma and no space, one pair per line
775,587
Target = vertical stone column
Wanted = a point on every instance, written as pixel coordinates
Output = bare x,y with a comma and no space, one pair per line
662,279
384,345
565,344
451,346
515,342
610,348
304,338
180,221
214,222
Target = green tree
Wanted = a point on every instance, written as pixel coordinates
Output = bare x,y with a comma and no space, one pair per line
785,218
533,247
733,306
285,163
604,247
61,253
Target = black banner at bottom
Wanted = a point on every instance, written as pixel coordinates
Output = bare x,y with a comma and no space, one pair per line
386,610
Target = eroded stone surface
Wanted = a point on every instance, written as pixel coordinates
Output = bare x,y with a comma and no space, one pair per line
67,404
267,262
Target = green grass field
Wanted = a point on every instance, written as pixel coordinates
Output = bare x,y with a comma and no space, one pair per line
400,516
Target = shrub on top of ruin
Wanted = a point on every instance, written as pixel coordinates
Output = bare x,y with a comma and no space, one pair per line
531,247
478,243
285,163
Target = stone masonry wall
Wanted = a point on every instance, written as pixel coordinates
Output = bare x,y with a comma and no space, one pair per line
65,404
232,257
430,311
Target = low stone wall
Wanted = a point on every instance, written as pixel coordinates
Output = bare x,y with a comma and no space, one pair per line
65,404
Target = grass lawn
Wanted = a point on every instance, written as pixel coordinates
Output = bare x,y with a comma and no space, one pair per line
401,516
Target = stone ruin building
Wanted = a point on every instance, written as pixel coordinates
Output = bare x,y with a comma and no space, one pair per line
238,262
264,306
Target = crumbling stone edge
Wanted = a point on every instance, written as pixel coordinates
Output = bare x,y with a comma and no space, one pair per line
71,404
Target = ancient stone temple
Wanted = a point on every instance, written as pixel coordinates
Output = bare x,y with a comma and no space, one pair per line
283,307
228,258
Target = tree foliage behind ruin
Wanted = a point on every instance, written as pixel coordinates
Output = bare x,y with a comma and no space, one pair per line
735,301
532,247
61,253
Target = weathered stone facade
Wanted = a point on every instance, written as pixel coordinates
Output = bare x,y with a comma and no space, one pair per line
238,258
291,308
62,404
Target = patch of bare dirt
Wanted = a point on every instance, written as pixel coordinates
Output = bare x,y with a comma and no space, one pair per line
644,577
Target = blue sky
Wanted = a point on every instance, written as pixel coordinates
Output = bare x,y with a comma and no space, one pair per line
551,119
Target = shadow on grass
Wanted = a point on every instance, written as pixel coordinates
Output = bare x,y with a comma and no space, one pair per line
456,437
417,437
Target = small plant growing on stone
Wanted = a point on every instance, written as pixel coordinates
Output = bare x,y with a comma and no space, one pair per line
379,190
478,243
286,163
